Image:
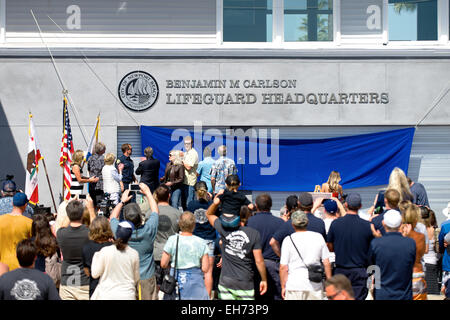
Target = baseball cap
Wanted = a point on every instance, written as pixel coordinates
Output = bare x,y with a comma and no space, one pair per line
124,231
353,200
392,219
330,206
9,186
20,199
305,199
299,219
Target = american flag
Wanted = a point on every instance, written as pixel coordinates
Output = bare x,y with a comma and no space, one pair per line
66,151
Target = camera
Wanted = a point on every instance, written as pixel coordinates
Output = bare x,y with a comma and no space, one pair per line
134,187
105,206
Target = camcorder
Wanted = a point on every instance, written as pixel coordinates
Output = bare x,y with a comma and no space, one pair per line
105,206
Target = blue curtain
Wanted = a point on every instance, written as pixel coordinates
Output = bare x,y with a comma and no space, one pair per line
300,164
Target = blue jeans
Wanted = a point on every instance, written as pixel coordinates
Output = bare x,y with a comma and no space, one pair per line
175,198
187,195
191,285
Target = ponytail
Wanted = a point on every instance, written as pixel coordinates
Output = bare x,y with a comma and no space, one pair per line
120,245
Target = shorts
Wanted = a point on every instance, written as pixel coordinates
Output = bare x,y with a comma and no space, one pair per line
232,294
303,295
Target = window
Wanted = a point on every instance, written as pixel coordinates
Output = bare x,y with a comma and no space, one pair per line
247,20
308,20
413,20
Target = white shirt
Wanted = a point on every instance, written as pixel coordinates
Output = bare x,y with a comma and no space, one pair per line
118,272
313,249
111,179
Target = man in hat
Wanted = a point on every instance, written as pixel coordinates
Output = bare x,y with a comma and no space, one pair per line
305,203
10,237
395,256
298,249
8,191
349,237
241,249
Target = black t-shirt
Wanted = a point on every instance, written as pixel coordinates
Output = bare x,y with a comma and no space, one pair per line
71,241
351,237
203,228
89,249
27,284
237,256
231,201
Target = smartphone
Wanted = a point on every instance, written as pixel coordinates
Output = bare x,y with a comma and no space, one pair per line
81,196
134,187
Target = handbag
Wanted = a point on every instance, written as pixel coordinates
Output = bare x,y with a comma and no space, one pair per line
53,268
315,270
169,283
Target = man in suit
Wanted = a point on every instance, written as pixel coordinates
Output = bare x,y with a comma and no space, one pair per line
149,170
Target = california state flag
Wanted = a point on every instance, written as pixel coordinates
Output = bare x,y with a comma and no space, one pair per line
34,155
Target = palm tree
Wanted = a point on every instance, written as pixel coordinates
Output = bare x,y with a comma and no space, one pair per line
408,7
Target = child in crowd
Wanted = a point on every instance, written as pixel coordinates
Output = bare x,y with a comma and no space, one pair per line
231,199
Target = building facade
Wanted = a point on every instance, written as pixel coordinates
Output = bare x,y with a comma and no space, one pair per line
309,68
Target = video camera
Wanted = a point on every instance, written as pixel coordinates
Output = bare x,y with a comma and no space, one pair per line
105,206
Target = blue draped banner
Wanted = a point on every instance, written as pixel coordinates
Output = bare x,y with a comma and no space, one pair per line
266,163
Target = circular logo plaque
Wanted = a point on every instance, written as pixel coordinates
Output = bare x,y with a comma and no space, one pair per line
138,91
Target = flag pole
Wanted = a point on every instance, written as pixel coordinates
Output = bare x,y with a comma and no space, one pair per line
49,185
65,91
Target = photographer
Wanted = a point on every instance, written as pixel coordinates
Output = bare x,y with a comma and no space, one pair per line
8,191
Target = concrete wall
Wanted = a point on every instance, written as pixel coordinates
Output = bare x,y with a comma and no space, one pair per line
31,85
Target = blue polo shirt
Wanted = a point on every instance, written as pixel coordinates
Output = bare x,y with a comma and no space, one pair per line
267,225
445,228
377,221
395,255
314,224
128,169
351,237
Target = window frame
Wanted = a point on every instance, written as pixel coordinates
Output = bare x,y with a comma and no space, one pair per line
277,31
443,38
441,34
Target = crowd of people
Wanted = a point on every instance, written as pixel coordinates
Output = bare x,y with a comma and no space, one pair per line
120,239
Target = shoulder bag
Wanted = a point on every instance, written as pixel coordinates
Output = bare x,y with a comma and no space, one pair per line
169,283
315,270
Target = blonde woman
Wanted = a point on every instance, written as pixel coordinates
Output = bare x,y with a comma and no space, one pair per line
410,218
112,178
332,185
76,172
399,182
174,177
